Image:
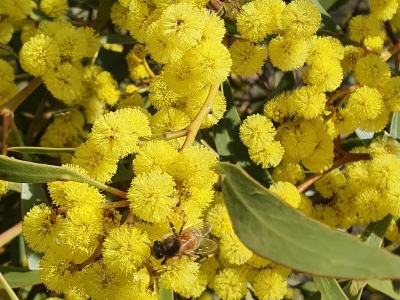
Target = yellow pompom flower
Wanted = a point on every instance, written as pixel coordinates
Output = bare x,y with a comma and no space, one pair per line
119,15
305,206
218,216
377,124
16,9
257,131
247,57
91,40
365,103
6,71
194,167
59,274
361,27
269,284
140,17
259,18
180,275
290,172
6,30
288,53
287,191
102,282
100,165
106,88
325,75
371,70
130,100
54,8
329,185
218,108
169,119
82,227
3,187
160,47
300,18
154,155
277,108
40,228
8,90
182,24
181,78
322,156
125,249
351,56
136,67
160,95
39,54
210,61
152,196
232,249
308,102
118,132
383,10
300,141
64,82
71,194
230,284
71,43
324,48
268,156
343,124
390,92
375,43
370,205
214,26
384,171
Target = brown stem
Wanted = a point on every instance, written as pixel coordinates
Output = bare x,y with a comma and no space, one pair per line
390,33
392,50
348,157
194,126
342,92
22,95
10,234
95,254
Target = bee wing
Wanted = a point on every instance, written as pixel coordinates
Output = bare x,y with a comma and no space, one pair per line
202,228
206,247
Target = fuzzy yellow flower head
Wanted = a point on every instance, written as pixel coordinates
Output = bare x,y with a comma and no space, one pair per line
247,57
152,196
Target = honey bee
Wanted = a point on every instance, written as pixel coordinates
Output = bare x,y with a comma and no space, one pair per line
190,242
218,6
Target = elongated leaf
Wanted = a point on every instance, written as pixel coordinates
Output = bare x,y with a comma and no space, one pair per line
352,295
41,150
19,277
327,22
22,171
395,126
373,236
31,195
276,231
166,294
229,146
385,287
329,289
103,13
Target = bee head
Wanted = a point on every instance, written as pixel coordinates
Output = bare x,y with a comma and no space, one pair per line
156,250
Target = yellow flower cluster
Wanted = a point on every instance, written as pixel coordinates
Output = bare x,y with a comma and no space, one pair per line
55,52
186,39
8,88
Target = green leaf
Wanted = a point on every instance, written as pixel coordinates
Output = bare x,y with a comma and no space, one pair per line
231,26
395,126
229,146
331,4
113,38
103,13
19,277
274,230
166,294
352,291
385,287
40,150
22,171
327,22
329,289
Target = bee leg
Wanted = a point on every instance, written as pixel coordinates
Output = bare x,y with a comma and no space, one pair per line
185,219
151,275
164,261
